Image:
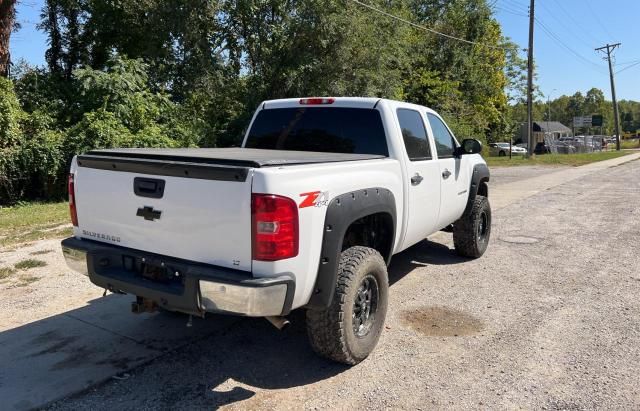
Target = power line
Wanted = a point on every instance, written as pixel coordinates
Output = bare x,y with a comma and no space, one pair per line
569,49
517,3
512,8
597,19
515,13
627,62
426,28
568,27
577,23
628,67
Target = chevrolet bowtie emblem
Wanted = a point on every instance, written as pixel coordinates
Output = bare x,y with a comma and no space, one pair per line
148,213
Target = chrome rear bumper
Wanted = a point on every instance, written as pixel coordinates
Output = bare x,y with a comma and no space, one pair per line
197,288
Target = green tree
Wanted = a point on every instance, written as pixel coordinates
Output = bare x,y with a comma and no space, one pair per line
30,151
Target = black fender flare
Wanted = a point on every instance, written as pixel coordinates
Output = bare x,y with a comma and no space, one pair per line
342,211
479,175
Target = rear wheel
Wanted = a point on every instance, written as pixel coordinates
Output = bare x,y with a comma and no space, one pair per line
349,329
472,231
502,154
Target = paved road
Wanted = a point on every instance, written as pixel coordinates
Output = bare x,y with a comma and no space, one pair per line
549,317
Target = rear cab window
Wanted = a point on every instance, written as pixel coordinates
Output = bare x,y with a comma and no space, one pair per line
321,129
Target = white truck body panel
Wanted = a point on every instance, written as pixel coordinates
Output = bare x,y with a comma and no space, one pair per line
334,179
206,221
209,221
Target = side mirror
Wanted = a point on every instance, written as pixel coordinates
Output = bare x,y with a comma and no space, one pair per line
470,146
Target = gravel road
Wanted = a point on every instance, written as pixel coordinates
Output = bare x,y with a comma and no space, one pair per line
504,175
548,318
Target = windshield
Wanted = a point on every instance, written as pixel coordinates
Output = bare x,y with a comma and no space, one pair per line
324,129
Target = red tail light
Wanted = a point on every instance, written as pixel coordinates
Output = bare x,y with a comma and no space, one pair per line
274,225
317,100
72,200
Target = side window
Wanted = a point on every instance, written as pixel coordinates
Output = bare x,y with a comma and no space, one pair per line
445,144
414,134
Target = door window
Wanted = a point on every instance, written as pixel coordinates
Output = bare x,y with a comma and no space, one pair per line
414,135
445,143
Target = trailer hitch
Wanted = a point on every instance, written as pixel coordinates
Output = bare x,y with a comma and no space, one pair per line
143,305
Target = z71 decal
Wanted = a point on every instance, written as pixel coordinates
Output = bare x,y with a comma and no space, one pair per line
315,199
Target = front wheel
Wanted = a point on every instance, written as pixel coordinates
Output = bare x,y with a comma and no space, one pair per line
349,329
472,231
502,154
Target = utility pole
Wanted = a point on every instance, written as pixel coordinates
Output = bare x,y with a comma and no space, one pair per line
530,141
609,49
549,113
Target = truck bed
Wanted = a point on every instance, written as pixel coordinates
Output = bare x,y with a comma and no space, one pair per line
238,157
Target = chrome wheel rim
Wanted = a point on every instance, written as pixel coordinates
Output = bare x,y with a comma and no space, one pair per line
483,226
365,306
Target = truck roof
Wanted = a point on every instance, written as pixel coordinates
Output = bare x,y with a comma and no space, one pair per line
360,102
352,102
234,156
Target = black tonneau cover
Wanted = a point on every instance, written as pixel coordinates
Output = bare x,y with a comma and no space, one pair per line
239,157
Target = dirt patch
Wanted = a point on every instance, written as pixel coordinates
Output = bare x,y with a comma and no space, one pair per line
56,344
41,252
122,363
520,239
442,322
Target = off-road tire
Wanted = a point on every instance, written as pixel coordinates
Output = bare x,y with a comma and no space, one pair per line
331,331
470,238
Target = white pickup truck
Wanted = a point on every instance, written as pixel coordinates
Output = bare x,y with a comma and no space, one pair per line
306,214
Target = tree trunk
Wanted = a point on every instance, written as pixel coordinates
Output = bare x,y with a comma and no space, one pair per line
7,18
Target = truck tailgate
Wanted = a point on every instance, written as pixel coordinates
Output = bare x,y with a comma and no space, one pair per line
197,212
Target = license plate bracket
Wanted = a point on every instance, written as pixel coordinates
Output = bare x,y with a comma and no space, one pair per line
157,271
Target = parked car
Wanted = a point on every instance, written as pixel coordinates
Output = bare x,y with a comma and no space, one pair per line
502,149
306,214
541,148
565,148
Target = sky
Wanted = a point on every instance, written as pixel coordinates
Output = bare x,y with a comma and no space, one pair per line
565,36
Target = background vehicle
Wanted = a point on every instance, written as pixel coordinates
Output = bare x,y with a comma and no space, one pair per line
308,213
502,149
541,148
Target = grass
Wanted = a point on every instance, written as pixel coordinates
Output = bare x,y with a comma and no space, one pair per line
29,263
27,279
33,221
5,272
628,144
554,159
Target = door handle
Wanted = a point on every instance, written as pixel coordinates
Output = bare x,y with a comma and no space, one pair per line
416,179
446,173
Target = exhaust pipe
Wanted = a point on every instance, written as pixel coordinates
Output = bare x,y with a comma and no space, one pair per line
279,322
